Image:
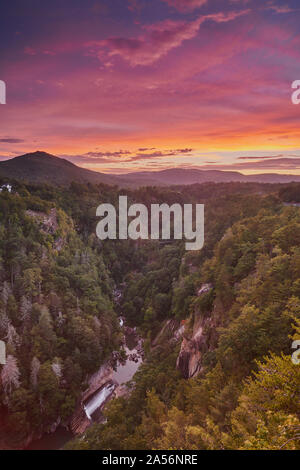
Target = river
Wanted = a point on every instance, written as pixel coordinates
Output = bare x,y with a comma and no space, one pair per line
54,441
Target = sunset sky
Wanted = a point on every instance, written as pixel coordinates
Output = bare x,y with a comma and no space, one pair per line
129,85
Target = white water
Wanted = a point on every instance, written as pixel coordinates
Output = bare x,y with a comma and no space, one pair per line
121,375
98,400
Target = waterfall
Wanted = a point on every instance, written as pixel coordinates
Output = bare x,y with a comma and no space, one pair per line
98,400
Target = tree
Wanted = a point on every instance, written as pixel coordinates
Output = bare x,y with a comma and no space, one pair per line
56,367
25,308
32,280
174,431
44,336
35,367
268,412
6,291
10,375
13,339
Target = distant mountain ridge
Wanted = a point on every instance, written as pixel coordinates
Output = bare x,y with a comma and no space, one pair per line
41,167
179,176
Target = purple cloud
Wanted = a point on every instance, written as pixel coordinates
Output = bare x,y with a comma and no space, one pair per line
11,140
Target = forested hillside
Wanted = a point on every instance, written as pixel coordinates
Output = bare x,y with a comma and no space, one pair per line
217,324
239,302
56,315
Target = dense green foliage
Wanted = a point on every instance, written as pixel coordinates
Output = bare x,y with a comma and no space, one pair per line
247,393
60,323
56,314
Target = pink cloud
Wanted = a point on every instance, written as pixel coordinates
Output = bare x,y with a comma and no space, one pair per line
186,5
259,158
158,39
156,42
134,5
283,164
279,8
29,51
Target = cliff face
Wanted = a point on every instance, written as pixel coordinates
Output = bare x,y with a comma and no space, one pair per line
197,342
172,330
189,358
48,222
